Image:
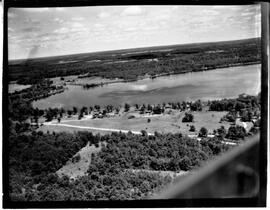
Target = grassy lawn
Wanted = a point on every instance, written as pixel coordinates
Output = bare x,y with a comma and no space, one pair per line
163,124
209,120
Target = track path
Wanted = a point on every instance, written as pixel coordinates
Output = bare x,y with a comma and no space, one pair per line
95,128
109,129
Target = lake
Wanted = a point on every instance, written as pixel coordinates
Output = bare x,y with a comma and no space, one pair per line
205,85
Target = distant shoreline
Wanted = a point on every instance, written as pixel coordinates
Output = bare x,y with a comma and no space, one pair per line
94,85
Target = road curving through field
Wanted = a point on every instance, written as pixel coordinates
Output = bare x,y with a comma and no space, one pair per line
95,128
114,130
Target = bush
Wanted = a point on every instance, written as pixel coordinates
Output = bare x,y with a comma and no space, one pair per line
203,132
127,106
188,118
76,159
257,123
185,163
80,116
192,128
221,132
144,133
236,132
254,130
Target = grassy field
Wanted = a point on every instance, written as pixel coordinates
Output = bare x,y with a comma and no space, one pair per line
163,124
16,87
75,169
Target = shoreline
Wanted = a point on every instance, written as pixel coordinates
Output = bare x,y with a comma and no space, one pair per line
94,85
117,80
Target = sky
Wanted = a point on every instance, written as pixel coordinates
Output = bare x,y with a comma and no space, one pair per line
41,32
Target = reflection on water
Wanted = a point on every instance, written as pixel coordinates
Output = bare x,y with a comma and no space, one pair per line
215,84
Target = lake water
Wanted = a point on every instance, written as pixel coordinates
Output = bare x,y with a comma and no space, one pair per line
214,84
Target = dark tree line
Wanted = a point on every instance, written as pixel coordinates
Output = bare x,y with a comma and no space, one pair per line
20,102
181,59
245,107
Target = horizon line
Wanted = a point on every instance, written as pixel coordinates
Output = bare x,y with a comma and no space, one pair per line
102,51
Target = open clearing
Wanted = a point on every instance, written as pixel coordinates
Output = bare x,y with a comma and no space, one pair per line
172,174
12,87
74,169
162,123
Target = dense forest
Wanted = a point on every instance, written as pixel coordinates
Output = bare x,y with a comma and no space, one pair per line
147,61
35,156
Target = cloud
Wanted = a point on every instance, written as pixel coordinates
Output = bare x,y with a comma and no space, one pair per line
98,27
130,29
77,18
249,13
102,28
59,9
30,29
104,15
11,14
76,25
45,9
233,8
42,9
32,21
164,16
152,28
58,20
132,11
45,38
73,27
43,35
61,30
257,19
10,29
210,12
